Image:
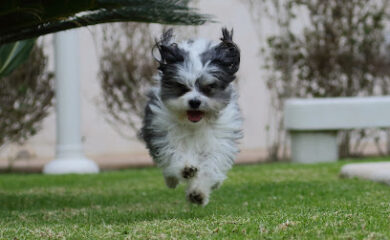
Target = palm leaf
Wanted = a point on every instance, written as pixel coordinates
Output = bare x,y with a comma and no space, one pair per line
26,19
14,54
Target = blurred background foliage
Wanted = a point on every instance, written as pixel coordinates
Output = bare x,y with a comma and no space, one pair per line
26,96
331,48
126,72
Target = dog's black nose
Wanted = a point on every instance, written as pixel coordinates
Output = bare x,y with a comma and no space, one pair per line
194,103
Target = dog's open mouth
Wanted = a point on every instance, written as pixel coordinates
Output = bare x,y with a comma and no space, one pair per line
195,116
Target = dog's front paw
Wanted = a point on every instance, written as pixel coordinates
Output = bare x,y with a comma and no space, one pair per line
171,182
197,197
189,172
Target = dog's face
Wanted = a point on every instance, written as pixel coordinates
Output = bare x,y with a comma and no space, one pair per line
196,75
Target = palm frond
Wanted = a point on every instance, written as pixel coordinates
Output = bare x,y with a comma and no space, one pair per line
14,54
27,19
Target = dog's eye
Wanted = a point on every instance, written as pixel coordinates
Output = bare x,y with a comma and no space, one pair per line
183,88
209,88
212,86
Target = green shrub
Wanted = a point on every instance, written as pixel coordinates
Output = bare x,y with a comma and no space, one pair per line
26,96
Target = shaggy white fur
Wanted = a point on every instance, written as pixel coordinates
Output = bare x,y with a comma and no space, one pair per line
192,121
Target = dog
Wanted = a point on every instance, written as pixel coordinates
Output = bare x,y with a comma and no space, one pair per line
192,122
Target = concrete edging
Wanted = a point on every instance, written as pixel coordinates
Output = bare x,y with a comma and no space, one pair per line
377,171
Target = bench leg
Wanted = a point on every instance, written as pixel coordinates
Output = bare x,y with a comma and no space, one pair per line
314,147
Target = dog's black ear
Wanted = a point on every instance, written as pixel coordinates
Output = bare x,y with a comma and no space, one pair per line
169,52
227,53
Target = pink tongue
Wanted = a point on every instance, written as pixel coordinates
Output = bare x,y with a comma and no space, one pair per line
194,116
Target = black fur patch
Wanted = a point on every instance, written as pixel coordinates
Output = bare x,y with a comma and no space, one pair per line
217,89
225,57
170,53
148,132
170,87
171,57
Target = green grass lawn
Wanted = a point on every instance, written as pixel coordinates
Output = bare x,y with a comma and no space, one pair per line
268,201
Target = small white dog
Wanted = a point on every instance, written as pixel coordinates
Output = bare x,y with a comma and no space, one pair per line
192,121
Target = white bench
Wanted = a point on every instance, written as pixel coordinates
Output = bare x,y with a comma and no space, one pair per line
313,123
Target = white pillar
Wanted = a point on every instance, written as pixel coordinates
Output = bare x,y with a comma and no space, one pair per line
69,152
